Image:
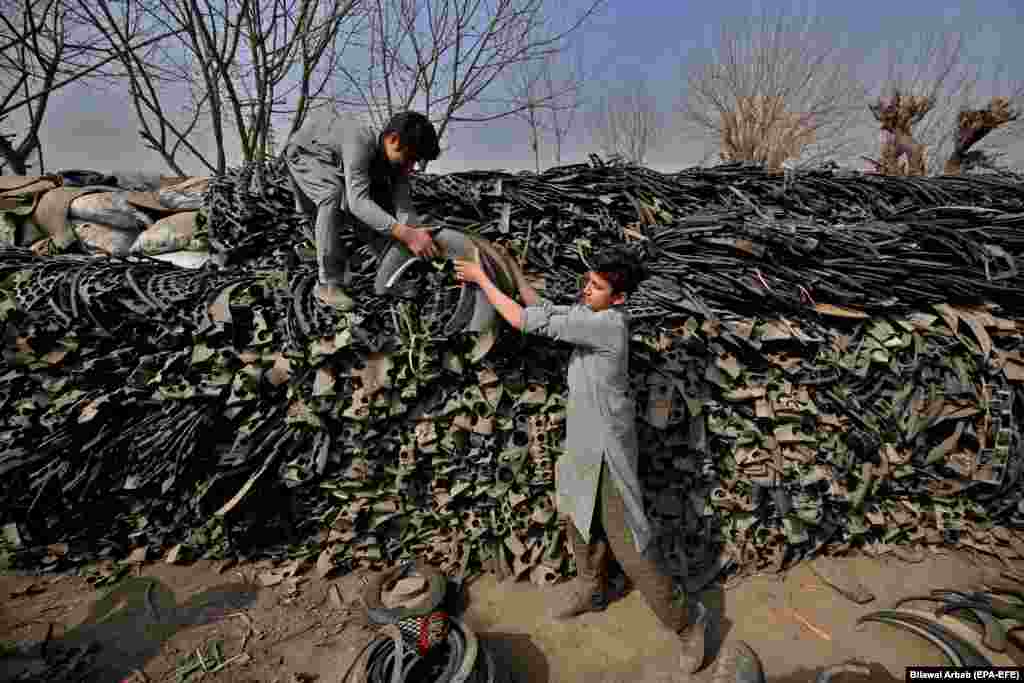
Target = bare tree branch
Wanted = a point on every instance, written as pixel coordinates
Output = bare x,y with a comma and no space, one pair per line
927,82
627,122
445,57
783,83
561,119
322,46
551,93
145,80
46,48
244,64
937,104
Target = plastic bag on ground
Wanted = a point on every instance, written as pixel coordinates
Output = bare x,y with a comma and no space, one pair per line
186,259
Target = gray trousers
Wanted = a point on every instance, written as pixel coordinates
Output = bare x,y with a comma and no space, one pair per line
318,182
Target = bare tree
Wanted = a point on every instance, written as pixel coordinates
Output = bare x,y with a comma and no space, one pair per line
927,83
446,58
561,119
148,75
42,49
991,112
552,94
936,105
35,45
901,154
973,125
761,130
235,67
533,113
626,122
775,87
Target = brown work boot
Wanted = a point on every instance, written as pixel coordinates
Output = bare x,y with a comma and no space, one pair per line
335,297
692,638
588,592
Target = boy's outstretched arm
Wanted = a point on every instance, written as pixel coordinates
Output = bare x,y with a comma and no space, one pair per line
578,325
507,307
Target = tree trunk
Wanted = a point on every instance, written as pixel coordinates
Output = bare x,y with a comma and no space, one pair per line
902,144
535,142
916,165
16,158
974,125
954,164
889,161
18,166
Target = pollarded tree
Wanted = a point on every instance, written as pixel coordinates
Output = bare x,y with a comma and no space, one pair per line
974,125
761,131
936,105
773,88
897,115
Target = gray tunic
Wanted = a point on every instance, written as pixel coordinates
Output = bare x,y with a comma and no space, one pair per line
600,416
356,167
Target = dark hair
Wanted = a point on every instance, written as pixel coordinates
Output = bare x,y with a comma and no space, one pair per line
621,266
414,130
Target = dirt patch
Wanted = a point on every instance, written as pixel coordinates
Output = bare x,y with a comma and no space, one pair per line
295,631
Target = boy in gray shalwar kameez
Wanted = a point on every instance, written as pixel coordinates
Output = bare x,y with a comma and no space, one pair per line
596,479
350,177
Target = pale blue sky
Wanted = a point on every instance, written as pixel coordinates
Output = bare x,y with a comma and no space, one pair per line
629,39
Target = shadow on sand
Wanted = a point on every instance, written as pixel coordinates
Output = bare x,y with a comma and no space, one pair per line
516,658
125,628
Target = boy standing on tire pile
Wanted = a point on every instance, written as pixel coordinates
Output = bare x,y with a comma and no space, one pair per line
350,178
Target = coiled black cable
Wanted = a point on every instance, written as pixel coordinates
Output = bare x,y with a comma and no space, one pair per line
466,660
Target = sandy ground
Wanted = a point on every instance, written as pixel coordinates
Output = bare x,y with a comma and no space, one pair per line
293,632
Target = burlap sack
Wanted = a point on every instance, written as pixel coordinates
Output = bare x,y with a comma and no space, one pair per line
198,184
14,185
98,238
29,233
15,212
147,200
109,208
51,214
172,233
172,195
185,196
169,180
8,230
21,194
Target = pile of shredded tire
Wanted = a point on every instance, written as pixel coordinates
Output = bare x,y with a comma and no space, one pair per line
821,361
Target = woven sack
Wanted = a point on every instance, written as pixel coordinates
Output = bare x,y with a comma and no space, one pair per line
109,208
98,238
169,234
